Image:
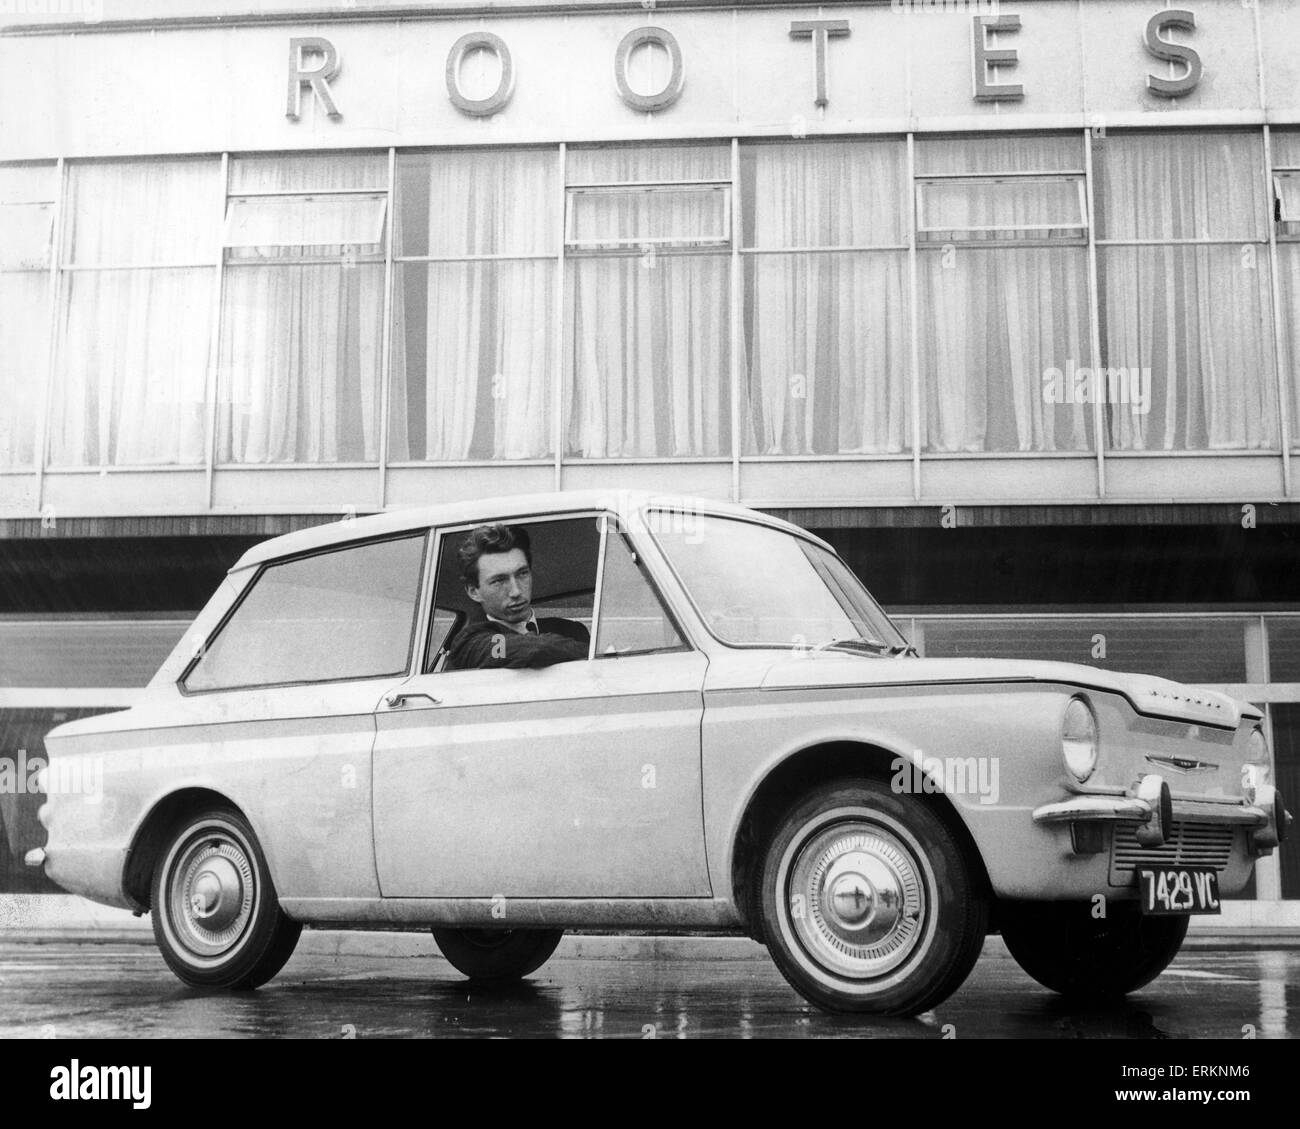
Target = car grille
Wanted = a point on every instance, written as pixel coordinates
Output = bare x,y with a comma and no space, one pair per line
1206,845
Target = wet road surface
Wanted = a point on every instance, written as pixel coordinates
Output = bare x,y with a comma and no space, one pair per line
67,990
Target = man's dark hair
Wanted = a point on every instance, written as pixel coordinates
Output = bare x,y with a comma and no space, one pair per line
490,539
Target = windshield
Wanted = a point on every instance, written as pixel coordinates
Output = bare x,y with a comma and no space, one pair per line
759,586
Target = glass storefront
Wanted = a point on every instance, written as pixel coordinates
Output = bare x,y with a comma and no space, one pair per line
864,297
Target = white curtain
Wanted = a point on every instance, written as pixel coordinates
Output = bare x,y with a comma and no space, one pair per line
1198,317
134,346
993,320
473,345
827,335
24,337
1288,269
301,342
649,356
650,360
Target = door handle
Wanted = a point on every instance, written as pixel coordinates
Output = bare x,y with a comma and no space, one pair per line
400,697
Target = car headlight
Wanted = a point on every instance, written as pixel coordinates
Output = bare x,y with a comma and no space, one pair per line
1257,747
1255,771
1079,739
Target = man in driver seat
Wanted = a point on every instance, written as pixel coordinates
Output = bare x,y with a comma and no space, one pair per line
496,567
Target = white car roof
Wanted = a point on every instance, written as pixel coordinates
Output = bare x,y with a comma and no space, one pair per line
504,509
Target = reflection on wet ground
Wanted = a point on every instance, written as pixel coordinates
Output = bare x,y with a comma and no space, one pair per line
64,990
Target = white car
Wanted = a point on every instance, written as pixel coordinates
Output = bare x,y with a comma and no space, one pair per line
746,743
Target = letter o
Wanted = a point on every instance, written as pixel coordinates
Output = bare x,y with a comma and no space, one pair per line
498,99
672,91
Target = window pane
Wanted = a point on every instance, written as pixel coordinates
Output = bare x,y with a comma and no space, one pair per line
1288,274
299,372
1286,186
1199,319
1180,186
24,343
473,367
477,203
824,194
1195,651
73,652
649,356
27,184
307,224
996,328
1010,207
162,211
1010,153
618,164
1284,648
1285,146
619,217
132,368
343,614
309,173
25,236
632,619
829,357
755,584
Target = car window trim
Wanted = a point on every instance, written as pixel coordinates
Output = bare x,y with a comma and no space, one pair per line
640,563
262,568
421,655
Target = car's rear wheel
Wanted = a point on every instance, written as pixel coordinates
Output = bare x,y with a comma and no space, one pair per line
216,917
497,954
869,903
1065,948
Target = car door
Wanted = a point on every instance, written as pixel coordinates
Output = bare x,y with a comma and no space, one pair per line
578,780
278,707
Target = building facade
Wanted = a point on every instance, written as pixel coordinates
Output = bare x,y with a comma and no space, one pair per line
1003,299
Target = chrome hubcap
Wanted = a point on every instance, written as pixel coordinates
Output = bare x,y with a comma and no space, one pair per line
857,899
212,893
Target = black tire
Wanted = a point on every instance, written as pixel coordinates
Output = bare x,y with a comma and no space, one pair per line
211,872
497,954
1066,949
839,943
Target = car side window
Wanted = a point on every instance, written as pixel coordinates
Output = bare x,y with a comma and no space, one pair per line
563,555
343,614
633,618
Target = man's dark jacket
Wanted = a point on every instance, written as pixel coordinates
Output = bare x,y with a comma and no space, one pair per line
483,644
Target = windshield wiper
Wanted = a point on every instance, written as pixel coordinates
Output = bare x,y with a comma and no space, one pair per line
867,646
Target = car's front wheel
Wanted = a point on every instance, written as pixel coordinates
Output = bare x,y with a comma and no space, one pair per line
869,903
1066,947
497,954
216,918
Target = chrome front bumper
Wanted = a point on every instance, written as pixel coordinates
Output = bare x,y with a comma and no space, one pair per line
1151,806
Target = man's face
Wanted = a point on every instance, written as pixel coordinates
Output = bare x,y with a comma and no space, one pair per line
505,586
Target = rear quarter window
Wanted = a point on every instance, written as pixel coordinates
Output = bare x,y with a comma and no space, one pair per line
344,614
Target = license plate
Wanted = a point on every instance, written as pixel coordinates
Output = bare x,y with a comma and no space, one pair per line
1179,890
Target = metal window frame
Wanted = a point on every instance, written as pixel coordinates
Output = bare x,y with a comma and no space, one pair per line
931,235
647,190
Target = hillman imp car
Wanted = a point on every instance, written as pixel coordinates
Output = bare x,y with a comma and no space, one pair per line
740,741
